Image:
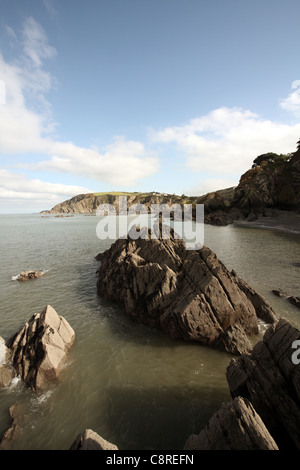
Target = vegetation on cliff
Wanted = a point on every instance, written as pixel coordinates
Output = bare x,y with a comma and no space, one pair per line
273,182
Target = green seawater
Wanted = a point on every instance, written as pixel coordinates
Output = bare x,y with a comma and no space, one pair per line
133,385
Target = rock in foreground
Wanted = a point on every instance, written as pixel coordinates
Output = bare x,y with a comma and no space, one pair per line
269,378
188,294
90,440
236,426
38,350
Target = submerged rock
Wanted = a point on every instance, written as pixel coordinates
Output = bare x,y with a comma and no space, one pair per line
27,275
39,349
236,426
188,294
90,440
291,298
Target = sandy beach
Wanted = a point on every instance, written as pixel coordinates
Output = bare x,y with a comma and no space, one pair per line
277,220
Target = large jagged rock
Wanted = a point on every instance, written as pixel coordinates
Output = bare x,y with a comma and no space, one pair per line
188,294
236,426
269,377
90,440
38,350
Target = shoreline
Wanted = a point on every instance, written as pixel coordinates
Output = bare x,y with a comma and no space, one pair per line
284,221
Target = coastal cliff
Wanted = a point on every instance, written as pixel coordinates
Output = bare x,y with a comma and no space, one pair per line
88,203
273,183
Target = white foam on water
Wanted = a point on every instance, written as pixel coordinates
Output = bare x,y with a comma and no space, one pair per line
14,382
44,397
2,351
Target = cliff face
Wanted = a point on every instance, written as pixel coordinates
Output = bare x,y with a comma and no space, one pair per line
88,203
273,184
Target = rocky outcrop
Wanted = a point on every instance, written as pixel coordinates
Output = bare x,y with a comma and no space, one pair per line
275,183
188,294
18,414
263,309
88,203
264,413
291,298
90,440
6,371
269,377
236,426
39,349
27,275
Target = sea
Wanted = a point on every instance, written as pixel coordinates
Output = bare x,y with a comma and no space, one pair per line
132,384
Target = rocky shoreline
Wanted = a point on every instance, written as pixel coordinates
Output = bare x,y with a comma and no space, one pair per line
191,296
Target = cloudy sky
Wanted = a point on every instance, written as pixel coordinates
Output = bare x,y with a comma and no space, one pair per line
174,96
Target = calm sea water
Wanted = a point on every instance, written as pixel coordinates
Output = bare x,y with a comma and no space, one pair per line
132,384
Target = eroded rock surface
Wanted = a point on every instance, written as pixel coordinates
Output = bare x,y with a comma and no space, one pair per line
188,294
39,349
269,377
236,426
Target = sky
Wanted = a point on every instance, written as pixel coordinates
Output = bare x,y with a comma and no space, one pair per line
173,96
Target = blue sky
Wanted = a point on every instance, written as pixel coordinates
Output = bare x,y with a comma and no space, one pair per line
173,96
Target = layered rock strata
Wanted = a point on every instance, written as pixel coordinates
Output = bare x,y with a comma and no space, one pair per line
38,350
269,377
188,294
236,426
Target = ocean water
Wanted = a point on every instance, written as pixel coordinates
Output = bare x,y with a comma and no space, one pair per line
133,385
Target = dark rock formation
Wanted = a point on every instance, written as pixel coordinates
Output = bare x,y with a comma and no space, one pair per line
39,349
263,309
292,299
18,414
187,294
269,377
236,426
90,440
273,183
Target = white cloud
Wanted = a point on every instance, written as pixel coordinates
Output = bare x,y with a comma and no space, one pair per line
28,130
292,102
121,163
16,187
226,141
212,184
35,42
48,4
